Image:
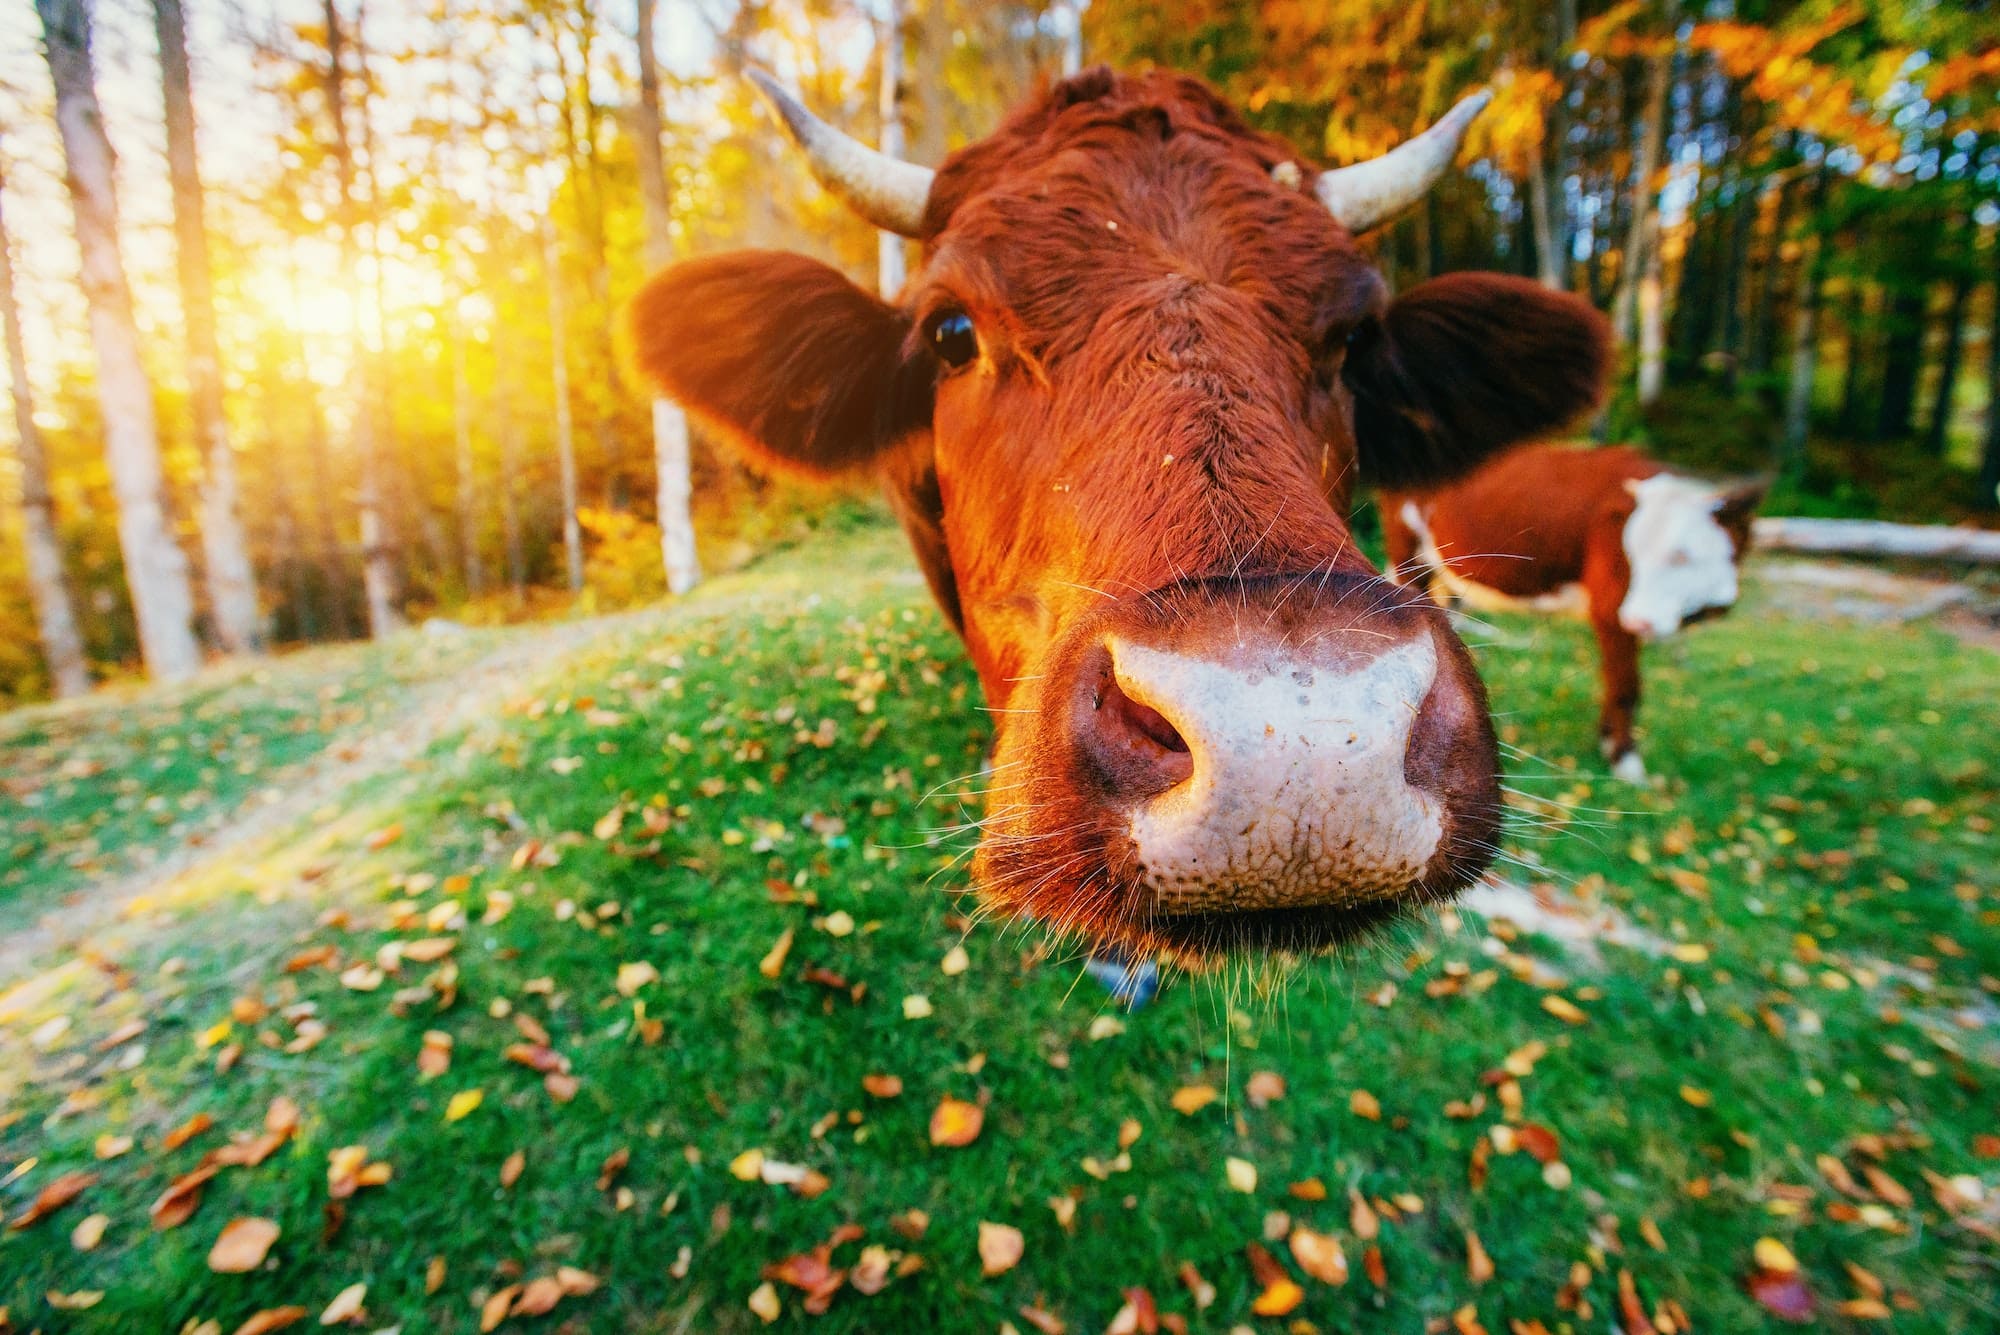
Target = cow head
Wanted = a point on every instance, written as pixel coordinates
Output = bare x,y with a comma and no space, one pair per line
1683,541
1120,410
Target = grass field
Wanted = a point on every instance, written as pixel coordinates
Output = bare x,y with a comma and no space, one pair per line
601,980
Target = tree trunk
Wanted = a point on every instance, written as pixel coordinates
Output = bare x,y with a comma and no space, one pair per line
379,576
1854,313
228,574
1644,230
1875,537
1652,322
675,487
889,266
48,585
565,428
1763,311
1727,327
1548,200
1948,360
1902,364
1543,210
468,483
1805,337
1989,463
156,570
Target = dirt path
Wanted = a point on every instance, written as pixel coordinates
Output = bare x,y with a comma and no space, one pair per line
433,710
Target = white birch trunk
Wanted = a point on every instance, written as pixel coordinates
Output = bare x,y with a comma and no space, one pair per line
48,584
230,579
565,427
1875,537
890,270
674,485
156,570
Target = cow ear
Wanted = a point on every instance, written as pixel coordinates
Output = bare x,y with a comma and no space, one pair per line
795,365
1737,502
1465,365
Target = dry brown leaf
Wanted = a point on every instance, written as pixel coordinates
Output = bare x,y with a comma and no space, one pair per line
1361,1217
1000,1248
1191,1099
186,1131
53,1197
272,1318
882,1086
242,1245
182,1195
956,1123
510,1170
1478,1265
1264,1088
773,962
345,1307
1363,1104
1319,1255
494,1310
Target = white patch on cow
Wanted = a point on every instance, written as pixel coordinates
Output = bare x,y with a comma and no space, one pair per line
1565,600
1682,561
1630,769
1297,795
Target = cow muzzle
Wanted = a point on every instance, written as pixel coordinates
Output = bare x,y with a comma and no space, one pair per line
1265,769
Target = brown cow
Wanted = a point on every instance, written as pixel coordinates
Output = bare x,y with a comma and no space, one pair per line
1608,534
1119,410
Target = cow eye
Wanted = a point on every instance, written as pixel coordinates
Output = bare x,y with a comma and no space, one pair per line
953,338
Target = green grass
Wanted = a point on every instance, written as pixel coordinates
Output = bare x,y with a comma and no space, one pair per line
109,783
1825,835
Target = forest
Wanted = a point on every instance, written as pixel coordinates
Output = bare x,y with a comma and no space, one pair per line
311,307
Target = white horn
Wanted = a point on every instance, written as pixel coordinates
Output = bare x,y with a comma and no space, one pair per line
888,193
1368,194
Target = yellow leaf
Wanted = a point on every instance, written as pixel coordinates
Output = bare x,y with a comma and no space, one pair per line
462,1104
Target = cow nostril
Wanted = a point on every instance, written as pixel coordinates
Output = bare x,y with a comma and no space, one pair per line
1143,721
1138,750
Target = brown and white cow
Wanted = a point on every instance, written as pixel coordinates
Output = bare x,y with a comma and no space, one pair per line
1607,534
1119,410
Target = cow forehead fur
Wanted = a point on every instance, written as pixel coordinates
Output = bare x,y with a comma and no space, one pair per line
1682,559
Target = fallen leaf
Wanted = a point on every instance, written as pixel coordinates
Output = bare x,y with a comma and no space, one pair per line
182,1196
882,1086
186,1131
956,1123
1279,1293
80,1301
111,1147
434,1058
510,1169
632,977
1319,1255
272,1318
242,1245
1000,1248
1782,1293
771,966
1264,1088
1772,1255
462,1104
764,1298
1478,1265
89,1232
1241,1174
1363,1104
1564,1009
345,1307
955,962
1191,1099
1199,1290
53,1197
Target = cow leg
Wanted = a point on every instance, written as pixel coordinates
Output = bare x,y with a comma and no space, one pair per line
1618,659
